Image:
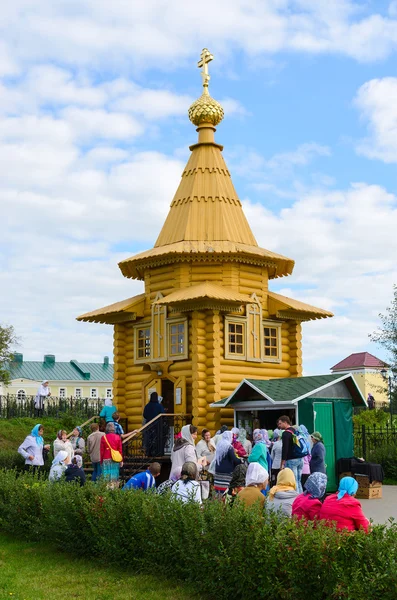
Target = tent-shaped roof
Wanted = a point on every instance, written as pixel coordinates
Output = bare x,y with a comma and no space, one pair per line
360,359
290,390
119,312
206,221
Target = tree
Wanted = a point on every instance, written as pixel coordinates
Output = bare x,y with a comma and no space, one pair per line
7,339
386,336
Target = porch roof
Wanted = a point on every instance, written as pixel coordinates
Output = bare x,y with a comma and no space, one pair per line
290,390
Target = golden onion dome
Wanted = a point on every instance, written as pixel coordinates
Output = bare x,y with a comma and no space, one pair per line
206,110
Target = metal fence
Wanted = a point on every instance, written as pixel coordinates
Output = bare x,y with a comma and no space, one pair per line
11,406
368,438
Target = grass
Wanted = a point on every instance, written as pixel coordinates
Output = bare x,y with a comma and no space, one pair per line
14,431
32,571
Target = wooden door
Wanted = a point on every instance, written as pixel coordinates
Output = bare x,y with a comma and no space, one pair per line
324,423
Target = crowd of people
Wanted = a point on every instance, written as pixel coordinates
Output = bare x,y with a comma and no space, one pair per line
283,471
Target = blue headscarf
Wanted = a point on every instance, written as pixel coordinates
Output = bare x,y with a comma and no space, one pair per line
348,486
316,485
35,434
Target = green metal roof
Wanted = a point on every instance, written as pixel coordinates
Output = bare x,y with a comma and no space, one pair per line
61,371
292,389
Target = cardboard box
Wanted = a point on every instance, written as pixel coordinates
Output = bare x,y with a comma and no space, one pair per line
369,493
345,474
363,481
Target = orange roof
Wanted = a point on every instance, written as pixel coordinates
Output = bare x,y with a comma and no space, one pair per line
283,307
207,290
206,218
125,310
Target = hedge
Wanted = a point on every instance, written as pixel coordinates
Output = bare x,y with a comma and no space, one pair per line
222,552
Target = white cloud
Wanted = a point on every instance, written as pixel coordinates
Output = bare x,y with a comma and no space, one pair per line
123,36
377,103
303,155
344,246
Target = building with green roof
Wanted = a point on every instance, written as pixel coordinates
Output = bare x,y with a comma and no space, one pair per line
66,379
321,402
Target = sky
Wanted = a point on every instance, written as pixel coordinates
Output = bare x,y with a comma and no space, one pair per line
94,137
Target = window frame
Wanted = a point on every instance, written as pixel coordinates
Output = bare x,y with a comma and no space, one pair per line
75,393
96,394
185,353
143,325
278,327
229,320
109,396
65,392
24,394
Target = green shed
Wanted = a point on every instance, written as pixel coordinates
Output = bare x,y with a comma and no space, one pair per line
322,402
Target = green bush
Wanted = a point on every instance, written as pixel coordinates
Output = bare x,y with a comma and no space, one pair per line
222,552
385,455
371,418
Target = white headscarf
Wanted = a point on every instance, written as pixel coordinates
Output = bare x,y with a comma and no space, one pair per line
185,431
59,458
256,474
43,390
58,466
108,402
223,446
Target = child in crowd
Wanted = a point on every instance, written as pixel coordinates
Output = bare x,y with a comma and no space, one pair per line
145,480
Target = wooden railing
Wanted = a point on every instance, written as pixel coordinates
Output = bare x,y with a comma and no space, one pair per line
154,439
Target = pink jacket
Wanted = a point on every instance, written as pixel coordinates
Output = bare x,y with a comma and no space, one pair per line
305,507
346,513
306,465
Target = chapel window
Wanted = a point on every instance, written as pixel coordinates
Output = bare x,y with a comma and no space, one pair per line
143,342
62,392
272,342
236,338
21,395
176,339
77,393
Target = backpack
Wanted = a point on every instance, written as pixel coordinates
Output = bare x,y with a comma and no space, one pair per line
300,445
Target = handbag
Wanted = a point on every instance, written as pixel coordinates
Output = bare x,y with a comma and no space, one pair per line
115,454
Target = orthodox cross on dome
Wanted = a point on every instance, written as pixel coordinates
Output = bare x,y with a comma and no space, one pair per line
205,58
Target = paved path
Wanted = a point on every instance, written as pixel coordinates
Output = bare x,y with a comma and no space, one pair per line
379,510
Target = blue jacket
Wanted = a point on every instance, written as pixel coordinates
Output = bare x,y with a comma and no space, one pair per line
141,481
107,413
317,463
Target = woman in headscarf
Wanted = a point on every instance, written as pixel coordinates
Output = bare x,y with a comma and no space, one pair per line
184,449
110,467
283,494
225,462
343,508
306,459
255,481
187,488
277,449
317,461
75,471
238,447
108,410
77,441
307,506
242,438
43,393
61,442
237,483
259,452
32,448
59,466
